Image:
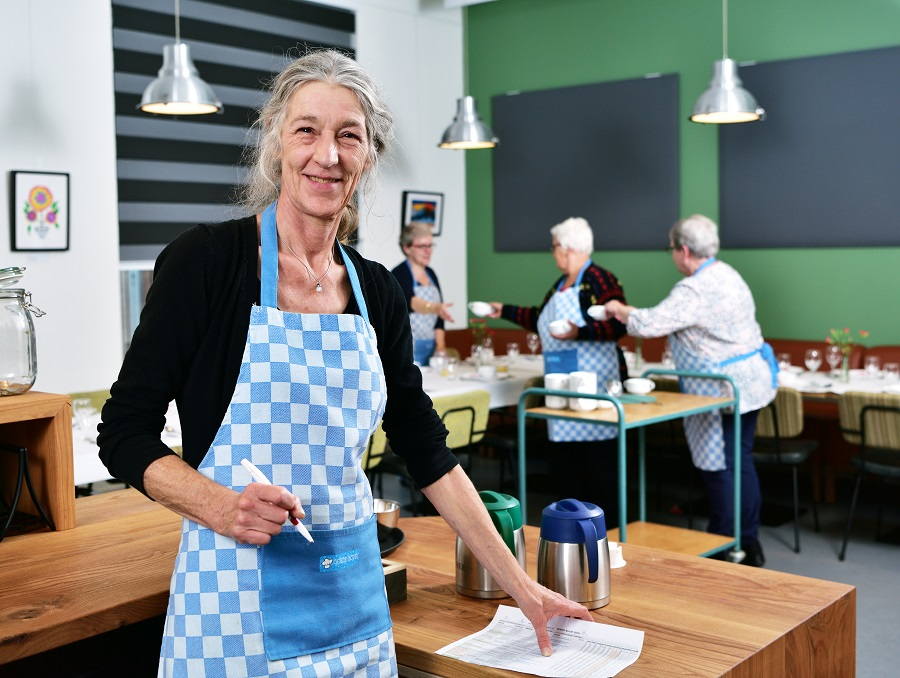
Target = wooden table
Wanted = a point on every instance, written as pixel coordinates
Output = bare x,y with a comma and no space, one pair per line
700,617
625,415
42,422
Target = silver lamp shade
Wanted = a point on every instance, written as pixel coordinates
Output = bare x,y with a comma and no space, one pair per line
726,100
467,129
178,89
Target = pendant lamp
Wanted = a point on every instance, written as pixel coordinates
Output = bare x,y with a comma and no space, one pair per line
725,100
468,130
178,88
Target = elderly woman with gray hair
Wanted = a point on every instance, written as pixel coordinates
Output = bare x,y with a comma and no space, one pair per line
710,318
585,459
281,346
427,310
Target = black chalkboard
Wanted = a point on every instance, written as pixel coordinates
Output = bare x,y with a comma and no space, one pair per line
607,152
823,169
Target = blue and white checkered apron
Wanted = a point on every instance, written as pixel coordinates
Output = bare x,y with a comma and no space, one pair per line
310,392
591,356
422,324
703,431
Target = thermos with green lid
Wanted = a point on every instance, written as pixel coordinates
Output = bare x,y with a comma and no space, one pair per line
472,579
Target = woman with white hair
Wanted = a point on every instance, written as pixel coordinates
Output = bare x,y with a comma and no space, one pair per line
584,464
710,317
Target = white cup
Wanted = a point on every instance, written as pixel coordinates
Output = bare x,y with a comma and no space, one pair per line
487,371
556,382
583,382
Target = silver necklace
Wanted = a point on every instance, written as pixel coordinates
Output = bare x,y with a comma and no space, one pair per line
308,269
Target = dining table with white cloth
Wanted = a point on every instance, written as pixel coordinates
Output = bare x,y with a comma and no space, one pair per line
86,454
829,382
504,387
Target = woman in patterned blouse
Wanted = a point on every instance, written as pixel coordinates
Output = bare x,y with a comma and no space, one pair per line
710,318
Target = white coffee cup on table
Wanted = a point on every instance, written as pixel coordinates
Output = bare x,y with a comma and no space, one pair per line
557,381
583,382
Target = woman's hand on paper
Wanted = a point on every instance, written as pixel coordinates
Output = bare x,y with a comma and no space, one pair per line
540,605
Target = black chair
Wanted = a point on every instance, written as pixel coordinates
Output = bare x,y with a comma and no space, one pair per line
777,444
872,421
23,474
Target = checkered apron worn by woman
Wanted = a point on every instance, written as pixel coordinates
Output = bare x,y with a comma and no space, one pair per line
310,392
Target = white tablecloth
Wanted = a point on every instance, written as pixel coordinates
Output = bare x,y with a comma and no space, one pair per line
827,382
88,467
504,390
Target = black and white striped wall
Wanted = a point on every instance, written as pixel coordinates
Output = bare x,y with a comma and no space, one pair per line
174,172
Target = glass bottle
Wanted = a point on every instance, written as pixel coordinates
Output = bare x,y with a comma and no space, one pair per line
18,357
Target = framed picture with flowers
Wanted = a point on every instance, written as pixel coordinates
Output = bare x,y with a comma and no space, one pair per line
40,211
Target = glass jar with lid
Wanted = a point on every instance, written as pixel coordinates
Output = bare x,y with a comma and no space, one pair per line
18,355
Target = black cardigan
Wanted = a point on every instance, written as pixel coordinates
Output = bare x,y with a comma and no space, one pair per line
190,341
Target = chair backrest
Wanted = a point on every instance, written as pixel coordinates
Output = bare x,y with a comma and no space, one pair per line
465,415
875,414
375,450
783,418
534,400
98,398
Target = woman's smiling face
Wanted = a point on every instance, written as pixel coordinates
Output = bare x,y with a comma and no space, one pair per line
324,149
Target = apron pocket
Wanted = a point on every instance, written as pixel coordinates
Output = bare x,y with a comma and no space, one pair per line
321,595
556,362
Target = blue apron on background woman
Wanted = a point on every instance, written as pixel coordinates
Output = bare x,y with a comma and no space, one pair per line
422,324
310,392
704,431
563,356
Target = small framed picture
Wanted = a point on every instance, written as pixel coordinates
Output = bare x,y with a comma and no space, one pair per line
40,211
420,207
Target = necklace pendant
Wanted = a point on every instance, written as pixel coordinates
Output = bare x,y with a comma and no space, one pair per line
318,287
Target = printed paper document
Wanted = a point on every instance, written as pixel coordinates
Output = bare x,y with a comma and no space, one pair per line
582,649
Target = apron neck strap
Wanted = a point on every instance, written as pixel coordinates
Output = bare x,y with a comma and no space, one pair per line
708,262
268,237
577,282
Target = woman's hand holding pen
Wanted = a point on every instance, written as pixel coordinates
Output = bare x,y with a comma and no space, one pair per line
259,512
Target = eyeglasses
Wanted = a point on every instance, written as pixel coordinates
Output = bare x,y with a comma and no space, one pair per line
423,247
671,249
555,246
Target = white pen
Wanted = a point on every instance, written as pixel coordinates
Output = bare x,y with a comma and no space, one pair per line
258,476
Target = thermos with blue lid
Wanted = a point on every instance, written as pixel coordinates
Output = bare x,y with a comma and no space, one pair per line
472,579
573,556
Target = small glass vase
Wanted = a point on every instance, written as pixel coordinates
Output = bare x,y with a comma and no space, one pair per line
845,370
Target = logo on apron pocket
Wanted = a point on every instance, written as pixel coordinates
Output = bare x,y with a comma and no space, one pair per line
339,561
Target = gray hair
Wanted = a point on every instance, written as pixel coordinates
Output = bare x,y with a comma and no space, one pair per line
412,231
699,233
264,158
574,234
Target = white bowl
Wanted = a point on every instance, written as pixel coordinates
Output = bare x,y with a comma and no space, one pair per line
559,327
597,312
480,308
639,386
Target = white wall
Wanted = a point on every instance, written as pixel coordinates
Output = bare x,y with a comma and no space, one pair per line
416,56
57,114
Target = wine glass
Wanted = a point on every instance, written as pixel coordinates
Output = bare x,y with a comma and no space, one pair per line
534,343
813,359
833,356
614,388
512,350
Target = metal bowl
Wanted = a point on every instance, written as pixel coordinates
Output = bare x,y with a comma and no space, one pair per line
387,511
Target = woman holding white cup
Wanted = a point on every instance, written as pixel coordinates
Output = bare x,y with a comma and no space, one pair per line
585,462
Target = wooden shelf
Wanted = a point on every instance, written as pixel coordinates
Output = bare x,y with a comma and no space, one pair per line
42,422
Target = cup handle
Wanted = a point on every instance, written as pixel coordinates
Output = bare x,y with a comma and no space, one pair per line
589,530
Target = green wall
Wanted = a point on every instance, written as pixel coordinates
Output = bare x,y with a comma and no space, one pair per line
539,44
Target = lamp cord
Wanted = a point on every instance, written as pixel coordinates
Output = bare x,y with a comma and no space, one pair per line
724,29
177,24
